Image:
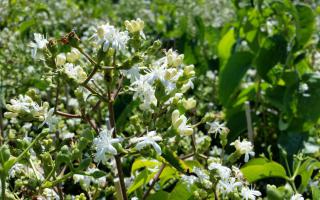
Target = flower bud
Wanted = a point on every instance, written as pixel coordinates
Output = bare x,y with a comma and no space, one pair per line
10,115
60,59
187,131
134,26
175,115
189,103
173,58
189,70
170,73
73,55
101,31
4,153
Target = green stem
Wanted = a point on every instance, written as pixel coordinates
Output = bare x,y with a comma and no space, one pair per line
3,187
57,181
27,149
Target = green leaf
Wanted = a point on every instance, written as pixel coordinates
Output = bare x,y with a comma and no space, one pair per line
98,174
225,45
315,192
181,191
305,23
309,106
261,168
279,193
306,170
174,160
26,25
273,51
160,195
144,162
143,178
84,164
231,75
167,174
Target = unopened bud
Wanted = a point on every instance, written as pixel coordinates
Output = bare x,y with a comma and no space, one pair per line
60,59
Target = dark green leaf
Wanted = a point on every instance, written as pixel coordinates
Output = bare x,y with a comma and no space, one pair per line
261,168
273,51
231,75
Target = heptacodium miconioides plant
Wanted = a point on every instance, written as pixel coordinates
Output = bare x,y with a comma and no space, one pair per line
151,146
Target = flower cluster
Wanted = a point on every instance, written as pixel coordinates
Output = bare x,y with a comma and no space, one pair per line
110,37
25,107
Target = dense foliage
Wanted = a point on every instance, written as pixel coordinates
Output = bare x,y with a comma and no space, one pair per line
162,99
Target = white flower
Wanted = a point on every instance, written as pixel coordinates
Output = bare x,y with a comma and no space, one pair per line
189,180
132,73
303,88
49,119
200,173
103,145
223,172
217,128
16,169
228,186
297,196
109,36
145,92
237,173
150,139
50,194
39,43
73,55
61,59
86,180
75,72
248,193
245,147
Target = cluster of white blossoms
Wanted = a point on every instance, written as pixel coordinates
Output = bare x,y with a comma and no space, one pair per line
109,36
244,148
179,122
170,73
86,180
24,106
230,181
104,146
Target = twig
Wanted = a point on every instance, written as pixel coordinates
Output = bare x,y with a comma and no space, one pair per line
115,93
154,180
68,115
95,92
117,157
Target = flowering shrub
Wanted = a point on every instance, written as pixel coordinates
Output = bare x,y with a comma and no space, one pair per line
112,111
